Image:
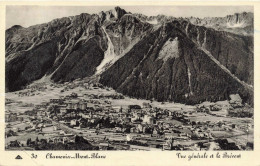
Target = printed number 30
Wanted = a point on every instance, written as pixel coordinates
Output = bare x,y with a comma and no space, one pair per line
34,156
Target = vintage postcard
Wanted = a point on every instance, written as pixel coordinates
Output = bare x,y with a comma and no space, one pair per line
127,83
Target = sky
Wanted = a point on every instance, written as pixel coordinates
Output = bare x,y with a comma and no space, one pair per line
32,15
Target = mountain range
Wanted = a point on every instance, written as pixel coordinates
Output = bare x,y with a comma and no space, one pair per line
187,60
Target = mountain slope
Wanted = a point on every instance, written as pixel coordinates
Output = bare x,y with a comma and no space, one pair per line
186,60
53,47
189,76
68,48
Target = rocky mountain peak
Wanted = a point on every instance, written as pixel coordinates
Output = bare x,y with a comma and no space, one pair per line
113,14
14,28
119,12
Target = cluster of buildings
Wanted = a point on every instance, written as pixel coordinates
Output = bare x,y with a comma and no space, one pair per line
132,127
139,125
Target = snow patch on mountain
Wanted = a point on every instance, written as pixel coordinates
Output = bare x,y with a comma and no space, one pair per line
236,25
189,75
170,49
152,22
109,55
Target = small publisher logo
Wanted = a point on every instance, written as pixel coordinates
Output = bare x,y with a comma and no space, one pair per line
18,157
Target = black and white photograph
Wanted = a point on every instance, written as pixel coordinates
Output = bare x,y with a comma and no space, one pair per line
129,78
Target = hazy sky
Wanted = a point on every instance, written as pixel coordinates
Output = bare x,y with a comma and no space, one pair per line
31,15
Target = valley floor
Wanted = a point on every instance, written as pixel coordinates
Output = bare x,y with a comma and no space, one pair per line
45,115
